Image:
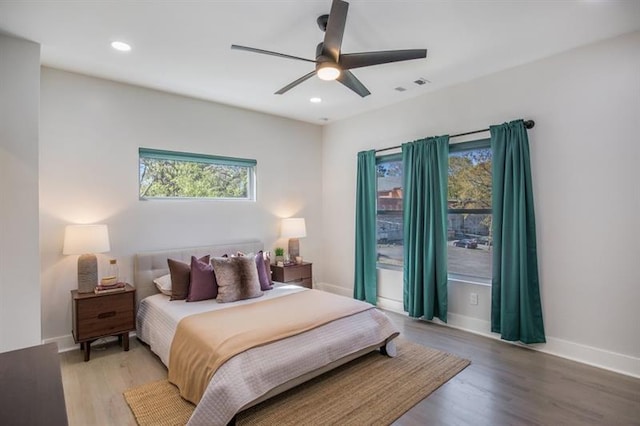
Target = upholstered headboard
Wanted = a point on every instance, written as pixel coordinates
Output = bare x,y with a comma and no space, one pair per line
153,264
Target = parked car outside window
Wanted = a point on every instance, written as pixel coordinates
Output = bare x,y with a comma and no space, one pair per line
466,243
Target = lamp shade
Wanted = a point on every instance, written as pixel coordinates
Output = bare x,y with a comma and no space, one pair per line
293,227
81,239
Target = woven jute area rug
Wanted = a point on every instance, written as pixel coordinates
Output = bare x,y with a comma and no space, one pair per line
371,390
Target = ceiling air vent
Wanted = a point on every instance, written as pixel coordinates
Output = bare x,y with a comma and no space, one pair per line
421,81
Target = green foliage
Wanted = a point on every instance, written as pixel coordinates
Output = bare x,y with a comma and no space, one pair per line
470,180
279,251
186,179
389,169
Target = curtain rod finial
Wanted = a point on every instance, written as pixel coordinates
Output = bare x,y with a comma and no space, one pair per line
528,124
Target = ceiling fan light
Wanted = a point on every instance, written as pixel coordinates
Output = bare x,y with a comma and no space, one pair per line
121,46
328,71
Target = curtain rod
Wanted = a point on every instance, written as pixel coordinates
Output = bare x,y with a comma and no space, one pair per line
528,124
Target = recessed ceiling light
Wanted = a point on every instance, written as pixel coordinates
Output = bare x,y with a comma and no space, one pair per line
121,46
315,100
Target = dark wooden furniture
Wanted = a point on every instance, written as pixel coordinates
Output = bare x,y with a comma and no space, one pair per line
295,274
101,315
31,390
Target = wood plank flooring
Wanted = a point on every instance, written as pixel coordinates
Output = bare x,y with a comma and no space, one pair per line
504,385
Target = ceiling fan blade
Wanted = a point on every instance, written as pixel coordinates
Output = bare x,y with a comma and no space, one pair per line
335,29
268,52
295,83
348,79
357,60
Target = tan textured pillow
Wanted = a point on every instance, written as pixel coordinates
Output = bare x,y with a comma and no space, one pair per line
237,278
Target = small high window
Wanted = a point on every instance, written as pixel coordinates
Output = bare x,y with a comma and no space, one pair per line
181,175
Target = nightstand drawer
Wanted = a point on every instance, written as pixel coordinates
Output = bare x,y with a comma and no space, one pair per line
98,307
107,322
297,273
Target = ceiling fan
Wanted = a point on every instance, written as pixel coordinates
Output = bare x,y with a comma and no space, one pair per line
331,63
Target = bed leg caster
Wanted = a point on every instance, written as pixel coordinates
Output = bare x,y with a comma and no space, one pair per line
389,349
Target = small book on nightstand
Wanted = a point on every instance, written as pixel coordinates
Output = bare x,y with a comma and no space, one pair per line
102,289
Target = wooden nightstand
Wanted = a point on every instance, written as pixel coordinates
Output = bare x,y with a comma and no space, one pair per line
294,274
102,315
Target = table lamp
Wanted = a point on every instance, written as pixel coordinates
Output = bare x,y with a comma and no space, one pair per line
86,240
293,228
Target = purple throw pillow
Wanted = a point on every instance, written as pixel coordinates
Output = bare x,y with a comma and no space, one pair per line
203,281
181,277
267,265
263,272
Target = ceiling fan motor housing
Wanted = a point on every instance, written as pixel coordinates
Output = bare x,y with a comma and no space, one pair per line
322,22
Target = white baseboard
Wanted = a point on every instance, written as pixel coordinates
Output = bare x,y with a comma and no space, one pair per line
617,362
391,305
66,343
601,358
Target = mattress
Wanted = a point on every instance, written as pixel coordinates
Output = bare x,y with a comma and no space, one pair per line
253,373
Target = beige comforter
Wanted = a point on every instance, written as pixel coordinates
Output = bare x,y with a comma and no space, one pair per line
203,342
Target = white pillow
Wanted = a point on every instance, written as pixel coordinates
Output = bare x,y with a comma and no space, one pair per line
164,284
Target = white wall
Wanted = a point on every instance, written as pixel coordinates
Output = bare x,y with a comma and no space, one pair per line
91,130
19,272
585,155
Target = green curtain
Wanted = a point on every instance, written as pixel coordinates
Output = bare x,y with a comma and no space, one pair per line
426,164
516,311
366,280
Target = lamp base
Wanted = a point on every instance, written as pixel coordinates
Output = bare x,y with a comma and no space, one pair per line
87,273
294,248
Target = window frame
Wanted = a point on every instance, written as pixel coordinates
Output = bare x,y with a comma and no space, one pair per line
158,154
453,148
461,147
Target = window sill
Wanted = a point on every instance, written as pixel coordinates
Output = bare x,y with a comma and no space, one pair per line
389,267
456,278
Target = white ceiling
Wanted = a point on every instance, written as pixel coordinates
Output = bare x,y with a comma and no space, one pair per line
184,46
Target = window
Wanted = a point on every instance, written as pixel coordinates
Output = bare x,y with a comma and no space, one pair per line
167,174
469,243
389,227
469,210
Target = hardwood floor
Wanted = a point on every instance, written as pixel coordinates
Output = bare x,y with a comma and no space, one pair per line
504,385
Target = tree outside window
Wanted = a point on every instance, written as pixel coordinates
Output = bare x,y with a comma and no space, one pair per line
469,210
167,174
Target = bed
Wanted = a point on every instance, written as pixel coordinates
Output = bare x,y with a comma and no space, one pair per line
261,372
